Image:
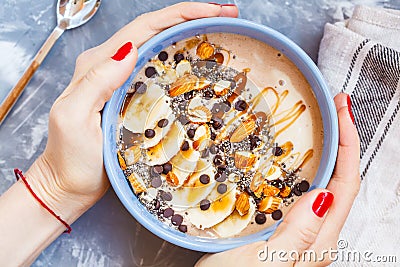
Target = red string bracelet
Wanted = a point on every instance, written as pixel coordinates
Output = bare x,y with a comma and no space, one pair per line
19,175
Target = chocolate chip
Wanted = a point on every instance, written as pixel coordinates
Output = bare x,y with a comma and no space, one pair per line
297,191
221,168
240,105
220,177
167,196
276,215
168,212
222,188
277,151
304,186
217,123
149,133
162,123
178,57
205,204
188,95
163,56
260,218
191,133
185,146
177,219
208,95
140,87
213,136
214,149
254,141
150,72
182,228
204,179
158,169
167,167
218,160
157,204
156,182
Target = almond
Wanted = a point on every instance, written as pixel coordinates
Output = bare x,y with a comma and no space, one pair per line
199,114
269,204
137,185
184,84
121,161
242,204
243,130
222,87
266,190
285,191
172,179
205,50
132,155
244,159
270,190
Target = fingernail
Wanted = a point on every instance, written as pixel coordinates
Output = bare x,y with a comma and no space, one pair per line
322,203
213,3
228,5
349,107
123,51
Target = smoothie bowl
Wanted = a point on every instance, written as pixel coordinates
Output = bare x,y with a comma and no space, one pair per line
222,125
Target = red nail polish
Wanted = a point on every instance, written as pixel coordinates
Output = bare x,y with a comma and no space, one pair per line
349,107
122,52
322,203
228,5
213,3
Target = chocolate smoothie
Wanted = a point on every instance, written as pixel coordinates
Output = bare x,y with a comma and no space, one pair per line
219,135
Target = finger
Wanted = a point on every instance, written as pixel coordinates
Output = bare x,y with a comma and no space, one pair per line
300,227
99,83
147,25
345,181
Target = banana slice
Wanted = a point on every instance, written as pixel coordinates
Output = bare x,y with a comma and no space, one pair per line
234,223
221,207
160,133
168,147
184,164
140,106
193,191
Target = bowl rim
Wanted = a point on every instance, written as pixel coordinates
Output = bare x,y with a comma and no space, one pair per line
132,204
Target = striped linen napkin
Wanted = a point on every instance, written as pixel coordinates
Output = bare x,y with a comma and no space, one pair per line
361,57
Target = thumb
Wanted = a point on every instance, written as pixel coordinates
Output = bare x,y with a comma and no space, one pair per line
300,227
98,84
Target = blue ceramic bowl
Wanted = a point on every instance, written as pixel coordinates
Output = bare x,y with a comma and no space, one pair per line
186,30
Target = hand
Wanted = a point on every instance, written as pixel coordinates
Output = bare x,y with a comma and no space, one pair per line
69,176
302,229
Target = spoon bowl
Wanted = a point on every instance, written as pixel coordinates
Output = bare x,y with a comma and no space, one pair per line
70,14
74,13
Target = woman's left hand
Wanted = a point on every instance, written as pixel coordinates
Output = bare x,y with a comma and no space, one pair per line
69,176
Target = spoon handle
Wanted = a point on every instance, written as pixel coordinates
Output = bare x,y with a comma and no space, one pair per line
14,94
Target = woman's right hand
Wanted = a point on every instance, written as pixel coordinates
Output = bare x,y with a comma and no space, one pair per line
315,221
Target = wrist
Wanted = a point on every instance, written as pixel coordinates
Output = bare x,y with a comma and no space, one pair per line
45,182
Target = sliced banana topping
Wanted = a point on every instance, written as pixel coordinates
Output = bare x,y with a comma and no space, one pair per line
193,190
184,164
168,147
140,106
235,223
220,207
